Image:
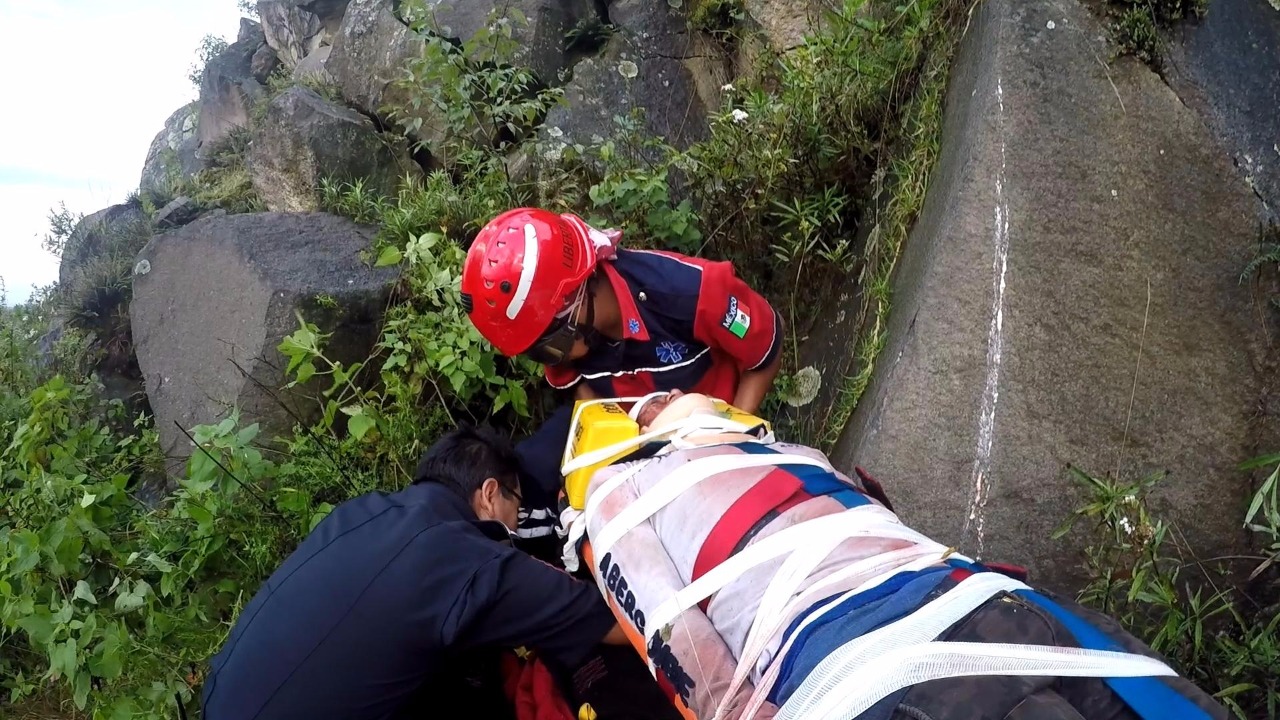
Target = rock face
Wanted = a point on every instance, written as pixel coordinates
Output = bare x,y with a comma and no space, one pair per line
230,89
172,156
304,139
541,42
1076,235
218,295
1227,66
296,29
652,63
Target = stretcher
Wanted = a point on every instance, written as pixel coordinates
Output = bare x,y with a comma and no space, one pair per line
600,433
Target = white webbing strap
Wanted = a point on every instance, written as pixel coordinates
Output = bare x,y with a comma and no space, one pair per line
916,628
686,427
887,565
588,459
881,567
861,521
680,481
607,488
856,689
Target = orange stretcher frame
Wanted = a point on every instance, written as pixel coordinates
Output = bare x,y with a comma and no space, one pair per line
637,641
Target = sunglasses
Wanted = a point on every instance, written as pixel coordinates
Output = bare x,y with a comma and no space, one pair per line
554,345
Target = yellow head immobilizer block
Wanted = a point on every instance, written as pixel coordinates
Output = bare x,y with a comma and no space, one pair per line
599,424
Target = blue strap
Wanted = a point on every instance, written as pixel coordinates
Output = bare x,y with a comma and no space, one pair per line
816,481
1149,697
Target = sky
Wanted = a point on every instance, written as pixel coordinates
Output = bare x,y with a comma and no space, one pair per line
85,85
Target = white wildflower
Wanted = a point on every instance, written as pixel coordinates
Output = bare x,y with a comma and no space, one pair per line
628,69
727,87
1126,526
740,115
1051,25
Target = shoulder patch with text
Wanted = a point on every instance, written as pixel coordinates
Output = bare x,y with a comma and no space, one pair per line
737,319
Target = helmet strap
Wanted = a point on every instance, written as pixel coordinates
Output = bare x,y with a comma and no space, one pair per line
587,331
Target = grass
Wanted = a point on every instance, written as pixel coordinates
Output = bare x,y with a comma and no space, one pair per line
1223,637
907,183
225,182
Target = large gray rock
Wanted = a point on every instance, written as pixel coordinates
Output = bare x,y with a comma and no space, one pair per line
213,300
172,157
229,89
652,63
1227,66
370,53
1070,294
304,139
296,29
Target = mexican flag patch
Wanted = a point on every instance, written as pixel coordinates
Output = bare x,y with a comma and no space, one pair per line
737,319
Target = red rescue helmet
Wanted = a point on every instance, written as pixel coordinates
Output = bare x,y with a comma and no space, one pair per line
523,269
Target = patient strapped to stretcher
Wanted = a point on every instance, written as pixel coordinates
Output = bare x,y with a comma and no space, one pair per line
760,582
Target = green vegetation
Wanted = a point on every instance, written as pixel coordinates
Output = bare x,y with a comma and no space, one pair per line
1136,24
1190,609
111,604
113,595
1266,264
225,182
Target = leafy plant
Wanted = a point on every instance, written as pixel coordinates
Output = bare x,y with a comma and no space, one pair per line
471,93
1136,24
1186,608
211,46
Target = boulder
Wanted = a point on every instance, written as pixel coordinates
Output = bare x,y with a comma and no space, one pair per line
304,139
212,301
652,62
172,157
119,228
785,23
1069,295
369,53
542,46
177,213
296,29
312,67
263,63
229,89
1227,66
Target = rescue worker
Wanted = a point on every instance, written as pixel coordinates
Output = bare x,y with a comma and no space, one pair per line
762,583
608,322
378,610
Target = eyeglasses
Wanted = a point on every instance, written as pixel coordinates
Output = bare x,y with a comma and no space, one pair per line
513,493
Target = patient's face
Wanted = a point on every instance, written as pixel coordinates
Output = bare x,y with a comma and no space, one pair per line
676,406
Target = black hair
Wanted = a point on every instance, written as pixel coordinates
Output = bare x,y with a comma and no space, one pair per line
463,458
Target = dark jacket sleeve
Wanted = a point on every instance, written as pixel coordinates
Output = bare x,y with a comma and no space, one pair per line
515,601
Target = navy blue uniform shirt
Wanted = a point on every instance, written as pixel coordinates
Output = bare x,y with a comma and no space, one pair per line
382,595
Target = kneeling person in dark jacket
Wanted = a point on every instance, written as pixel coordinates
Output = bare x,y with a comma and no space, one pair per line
392,591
